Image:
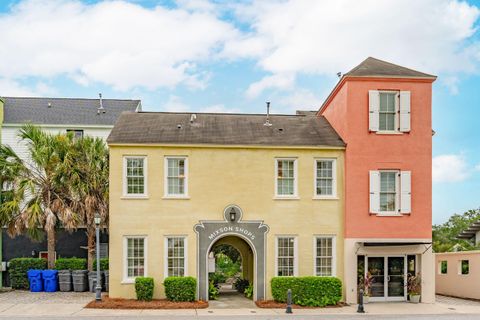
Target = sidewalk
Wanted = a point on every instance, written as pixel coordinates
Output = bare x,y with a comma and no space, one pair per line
18,303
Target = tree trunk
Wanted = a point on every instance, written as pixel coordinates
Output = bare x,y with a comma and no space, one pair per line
91,248
51,248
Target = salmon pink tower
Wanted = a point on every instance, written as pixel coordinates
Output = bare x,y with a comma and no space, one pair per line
383,113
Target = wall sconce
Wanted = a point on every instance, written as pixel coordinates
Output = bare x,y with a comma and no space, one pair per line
233,213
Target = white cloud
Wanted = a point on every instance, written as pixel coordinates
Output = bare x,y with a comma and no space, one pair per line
301,99
117,43
278,81
324,37
10,87
450,168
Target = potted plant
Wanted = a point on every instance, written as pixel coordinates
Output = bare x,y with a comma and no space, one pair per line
365,285
414,287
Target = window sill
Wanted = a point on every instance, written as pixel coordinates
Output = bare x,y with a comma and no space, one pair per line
134,197
388,214
389,132
128,281
286,198
325,198
176,198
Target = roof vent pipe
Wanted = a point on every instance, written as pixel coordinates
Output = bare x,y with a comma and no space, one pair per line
193,117
101,108
267,122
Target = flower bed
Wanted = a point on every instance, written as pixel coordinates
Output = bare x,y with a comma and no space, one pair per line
119,303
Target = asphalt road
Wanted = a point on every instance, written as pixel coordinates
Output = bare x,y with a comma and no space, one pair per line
280,317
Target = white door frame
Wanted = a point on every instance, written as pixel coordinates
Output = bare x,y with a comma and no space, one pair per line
385,276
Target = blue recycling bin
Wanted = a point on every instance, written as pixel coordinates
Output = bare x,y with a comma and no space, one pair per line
35,280
50,280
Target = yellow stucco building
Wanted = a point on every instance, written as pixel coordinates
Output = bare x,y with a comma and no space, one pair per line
182,183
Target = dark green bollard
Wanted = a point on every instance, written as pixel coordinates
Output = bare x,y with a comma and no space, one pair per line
289,301
360,302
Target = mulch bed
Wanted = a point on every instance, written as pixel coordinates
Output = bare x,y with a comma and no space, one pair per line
271,304
118,303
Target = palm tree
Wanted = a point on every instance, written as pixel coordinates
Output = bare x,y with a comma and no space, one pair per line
38,190
89,180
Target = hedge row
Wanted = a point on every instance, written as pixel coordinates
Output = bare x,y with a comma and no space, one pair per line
144,288
18,270
308,291
71,264
103,264
180,288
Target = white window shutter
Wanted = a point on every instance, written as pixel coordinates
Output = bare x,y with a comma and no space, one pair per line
406,192
374,192
405,111
373,109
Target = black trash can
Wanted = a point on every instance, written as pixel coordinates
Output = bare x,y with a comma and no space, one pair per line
80,280
65,280
92,280
105,280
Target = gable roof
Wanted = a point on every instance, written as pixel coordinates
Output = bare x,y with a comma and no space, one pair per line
372,67
223,129
65,111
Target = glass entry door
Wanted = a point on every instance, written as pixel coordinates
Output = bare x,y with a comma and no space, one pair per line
388,276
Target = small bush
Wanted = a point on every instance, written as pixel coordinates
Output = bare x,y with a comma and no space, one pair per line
213,291
308,291
103,264
180,288
217,277
144,288
249,291
18,270
241,284
71,264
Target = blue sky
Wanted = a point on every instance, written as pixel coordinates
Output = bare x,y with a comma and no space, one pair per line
220,56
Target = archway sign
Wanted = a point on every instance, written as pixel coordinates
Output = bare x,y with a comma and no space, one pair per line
253,232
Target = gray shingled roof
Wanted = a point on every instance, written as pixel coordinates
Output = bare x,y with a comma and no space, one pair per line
223,129
375,67
19,110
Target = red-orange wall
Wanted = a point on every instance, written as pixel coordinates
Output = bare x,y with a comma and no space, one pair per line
347,111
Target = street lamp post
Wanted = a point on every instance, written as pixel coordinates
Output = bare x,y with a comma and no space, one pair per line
98,287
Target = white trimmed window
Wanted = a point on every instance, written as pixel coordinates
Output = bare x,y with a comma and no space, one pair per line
134,171
176,248
135,254
286,256
325,256
389,111
325,178
176,180
286,177
390,192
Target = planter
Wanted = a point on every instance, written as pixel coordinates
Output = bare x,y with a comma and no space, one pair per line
65,280
80,280
366,299
414,298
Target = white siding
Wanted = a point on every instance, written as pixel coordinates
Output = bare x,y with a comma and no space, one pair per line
9,136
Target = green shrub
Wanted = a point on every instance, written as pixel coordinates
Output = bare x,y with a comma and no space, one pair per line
241,284
103,264
71,264
18,270
144,288
308,291
180,288
217,277
213,291
249,291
